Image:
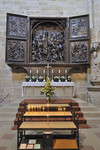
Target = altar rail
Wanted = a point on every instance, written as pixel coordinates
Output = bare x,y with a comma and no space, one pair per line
41,84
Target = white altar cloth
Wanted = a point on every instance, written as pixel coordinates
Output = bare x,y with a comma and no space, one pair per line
39,84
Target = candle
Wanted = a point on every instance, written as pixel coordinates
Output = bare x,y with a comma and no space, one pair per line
52,71
59,75
30,72
37,75
40,108
64,108
32,107
28,108
65,71
44,71
43,108
66,75
59,71
30,76
52,75
44,74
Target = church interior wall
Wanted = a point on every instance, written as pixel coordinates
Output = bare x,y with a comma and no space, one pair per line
10,79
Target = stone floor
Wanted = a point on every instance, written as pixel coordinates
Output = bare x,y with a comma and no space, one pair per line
89,138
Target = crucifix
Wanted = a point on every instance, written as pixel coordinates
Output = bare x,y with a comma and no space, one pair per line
48,70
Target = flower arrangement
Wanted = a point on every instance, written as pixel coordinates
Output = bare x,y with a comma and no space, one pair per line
62,78
56,78
69,78
27,78
33,78
48,90
40,78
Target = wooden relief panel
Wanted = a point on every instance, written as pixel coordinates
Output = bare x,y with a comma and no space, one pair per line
79,27
48,40
16,39
79,51
16,26
16,50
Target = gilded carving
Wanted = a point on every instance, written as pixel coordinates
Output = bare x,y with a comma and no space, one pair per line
78,51
16,26
16,49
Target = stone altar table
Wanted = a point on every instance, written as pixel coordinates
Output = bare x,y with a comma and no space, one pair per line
62,88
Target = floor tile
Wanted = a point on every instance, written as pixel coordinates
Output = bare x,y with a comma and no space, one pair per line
87,148
98,134
3,148
8,136
94,126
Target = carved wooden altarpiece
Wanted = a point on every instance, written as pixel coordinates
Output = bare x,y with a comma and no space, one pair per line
38,41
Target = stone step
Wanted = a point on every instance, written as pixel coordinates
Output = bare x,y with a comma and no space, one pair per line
7,114
95,120
89,108
81,102
8,109
92,114
6,122
7,117
13,104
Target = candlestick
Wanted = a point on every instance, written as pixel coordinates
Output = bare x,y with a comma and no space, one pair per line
37,76
52,75
59,75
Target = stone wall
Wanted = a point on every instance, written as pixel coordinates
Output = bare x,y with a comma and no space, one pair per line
10,81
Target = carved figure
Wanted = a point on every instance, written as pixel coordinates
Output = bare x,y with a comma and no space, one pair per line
16,26
79,51
78,27
48,43
16,50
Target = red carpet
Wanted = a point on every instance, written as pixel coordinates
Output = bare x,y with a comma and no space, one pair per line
75,106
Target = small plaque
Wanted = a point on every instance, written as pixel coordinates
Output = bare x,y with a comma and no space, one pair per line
22,146
32,141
